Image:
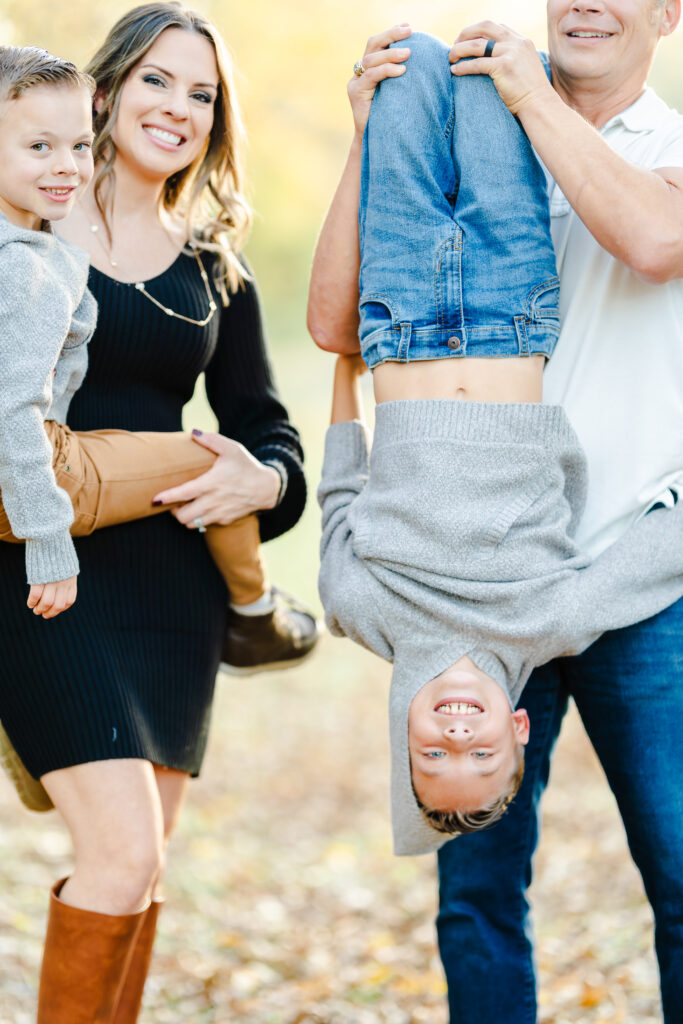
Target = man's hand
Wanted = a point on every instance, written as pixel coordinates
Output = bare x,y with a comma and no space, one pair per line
514,65
50,599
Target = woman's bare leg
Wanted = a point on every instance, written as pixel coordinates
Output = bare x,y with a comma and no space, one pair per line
114,813
172,788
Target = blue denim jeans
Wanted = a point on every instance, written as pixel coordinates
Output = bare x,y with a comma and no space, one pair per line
627,687
456,254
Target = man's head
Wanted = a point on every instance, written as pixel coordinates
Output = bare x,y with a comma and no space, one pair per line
45,135
466,748
607,45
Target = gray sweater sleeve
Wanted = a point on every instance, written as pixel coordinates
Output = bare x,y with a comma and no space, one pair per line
349,593
39,511
635,578
73,359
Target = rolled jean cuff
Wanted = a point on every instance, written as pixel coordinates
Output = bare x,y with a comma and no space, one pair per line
404,343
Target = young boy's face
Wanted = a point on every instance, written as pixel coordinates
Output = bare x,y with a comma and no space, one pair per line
45,153
463,739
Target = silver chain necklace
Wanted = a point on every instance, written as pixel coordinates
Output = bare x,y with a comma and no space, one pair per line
140,285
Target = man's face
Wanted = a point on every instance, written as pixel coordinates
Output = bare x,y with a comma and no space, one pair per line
606,39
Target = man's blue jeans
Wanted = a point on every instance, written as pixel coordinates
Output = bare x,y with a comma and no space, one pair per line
628,690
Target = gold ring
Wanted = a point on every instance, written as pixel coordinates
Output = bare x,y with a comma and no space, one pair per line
359,68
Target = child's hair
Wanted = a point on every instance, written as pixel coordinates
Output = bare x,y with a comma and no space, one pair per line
25,67
456,823
208,191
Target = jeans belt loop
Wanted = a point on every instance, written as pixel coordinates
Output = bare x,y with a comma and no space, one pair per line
404,341
522,336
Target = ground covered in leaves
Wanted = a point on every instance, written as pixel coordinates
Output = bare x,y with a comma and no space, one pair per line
284,903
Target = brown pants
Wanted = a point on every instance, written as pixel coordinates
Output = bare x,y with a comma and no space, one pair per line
111,477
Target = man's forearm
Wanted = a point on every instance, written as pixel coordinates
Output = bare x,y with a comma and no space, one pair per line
634,214
333,294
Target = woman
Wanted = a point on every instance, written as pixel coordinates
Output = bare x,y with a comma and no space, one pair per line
109,704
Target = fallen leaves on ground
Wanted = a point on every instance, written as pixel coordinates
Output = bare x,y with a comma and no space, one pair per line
284,902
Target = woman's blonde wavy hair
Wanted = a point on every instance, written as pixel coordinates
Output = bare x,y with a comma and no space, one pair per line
208,191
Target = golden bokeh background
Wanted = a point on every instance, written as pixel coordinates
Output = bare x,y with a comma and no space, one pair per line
285,903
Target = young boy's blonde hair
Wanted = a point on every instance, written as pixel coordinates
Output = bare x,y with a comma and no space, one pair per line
458,823
25,67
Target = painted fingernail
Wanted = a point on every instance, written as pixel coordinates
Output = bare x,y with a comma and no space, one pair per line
157,501
197,433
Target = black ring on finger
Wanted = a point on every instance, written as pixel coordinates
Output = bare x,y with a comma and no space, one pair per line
488,49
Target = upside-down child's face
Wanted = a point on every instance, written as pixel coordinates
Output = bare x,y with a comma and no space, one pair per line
464,739
45,153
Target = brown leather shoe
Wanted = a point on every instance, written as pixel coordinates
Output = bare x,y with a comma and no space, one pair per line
279,639
85,961
130,1000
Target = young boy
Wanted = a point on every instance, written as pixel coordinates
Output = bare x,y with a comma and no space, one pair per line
55,483
449,550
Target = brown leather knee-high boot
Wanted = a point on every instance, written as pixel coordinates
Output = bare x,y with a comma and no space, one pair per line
130,999
84,963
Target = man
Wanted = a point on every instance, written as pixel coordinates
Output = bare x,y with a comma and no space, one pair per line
614,153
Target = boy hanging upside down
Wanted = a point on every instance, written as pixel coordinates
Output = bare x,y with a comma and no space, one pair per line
448,549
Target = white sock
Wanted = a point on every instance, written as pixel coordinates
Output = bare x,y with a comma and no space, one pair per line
264,604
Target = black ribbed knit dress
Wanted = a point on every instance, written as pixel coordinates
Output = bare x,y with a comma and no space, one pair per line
129,670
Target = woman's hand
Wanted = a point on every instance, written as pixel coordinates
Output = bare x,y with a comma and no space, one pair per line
514,64
379,62
49,599
236,485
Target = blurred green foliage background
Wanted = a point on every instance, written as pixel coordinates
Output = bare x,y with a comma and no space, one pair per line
293,61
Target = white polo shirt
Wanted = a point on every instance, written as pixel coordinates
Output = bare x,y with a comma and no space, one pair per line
618,366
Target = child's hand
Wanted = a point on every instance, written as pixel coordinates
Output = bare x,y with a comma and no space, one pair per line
49,599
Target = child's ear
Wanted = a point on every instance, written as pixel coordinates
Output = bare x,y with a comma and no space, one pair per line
521,725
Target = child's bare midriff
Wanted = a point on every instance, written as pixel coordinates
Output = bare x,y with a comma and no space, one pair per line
518,379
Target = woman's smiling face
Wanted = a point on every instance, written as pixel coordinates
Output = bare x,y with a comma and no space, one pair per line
166,105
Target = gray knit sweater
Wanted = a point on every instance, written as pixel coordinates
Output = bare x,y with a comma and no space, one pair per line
456,539
47,316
